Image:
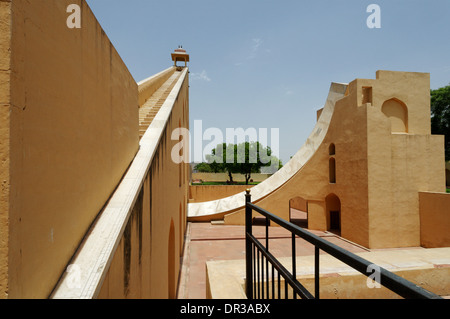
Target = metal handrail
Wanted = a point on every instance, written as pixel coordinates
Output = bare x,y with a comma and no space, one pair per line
395,283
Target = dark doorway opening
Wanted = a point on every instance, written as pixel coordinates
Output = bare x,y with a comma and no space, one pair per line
335,221
334,214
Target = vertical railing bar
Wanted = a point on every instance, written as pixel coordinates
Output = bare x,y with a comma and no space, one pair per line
273,282
267,282
261,280
279,285
294,262
248,245
317,273
258,280
254,270
267,261
267,278
286,292
262,275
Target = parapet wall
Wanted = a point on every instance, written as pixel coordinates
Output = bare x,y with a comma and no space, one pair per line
205,193
223,177
69,130
434,219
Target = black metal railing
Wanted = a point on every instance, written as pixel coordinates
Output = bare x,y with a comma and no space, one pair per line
264,272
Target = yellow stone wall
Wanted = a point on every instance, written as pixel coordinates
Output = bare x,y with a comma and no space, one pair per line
299,203
434,220
5,72
69,130
401,164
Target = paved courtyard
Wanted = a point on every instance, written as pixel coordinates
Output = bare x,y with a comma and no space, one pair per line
212,242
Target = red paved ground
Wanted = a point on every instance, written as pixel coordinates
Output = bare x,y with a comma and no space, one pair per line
207,242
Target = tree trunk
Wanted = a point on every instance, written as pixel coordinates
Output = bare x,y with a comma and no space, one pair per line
231,178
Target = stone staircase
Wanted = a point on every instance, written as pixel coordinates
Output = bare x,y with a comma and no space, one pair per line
151,107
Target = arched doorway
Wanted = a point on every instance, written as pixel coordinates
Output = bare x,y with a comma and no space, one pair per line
298,211
333,204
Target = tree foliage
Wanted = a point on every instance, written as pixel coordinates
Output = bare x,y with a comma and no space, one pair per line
205,168
440,116
245,158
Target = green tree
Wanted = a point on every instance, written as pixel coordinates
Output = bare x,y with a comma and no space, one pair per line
203,168
209,168
440,115
246,158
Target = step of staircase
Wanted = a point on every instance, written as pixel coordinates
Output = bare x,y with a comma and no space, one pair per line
150,109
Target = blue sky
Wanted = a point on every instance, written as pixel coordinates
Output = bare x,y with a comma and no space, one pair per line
269,64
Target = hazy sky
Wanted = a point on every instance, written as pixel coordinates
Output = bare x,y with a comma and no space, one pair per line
269,64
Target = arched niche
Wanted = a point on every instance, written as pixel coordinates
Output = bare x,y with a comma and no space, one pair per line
332,169
397,112
332,149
